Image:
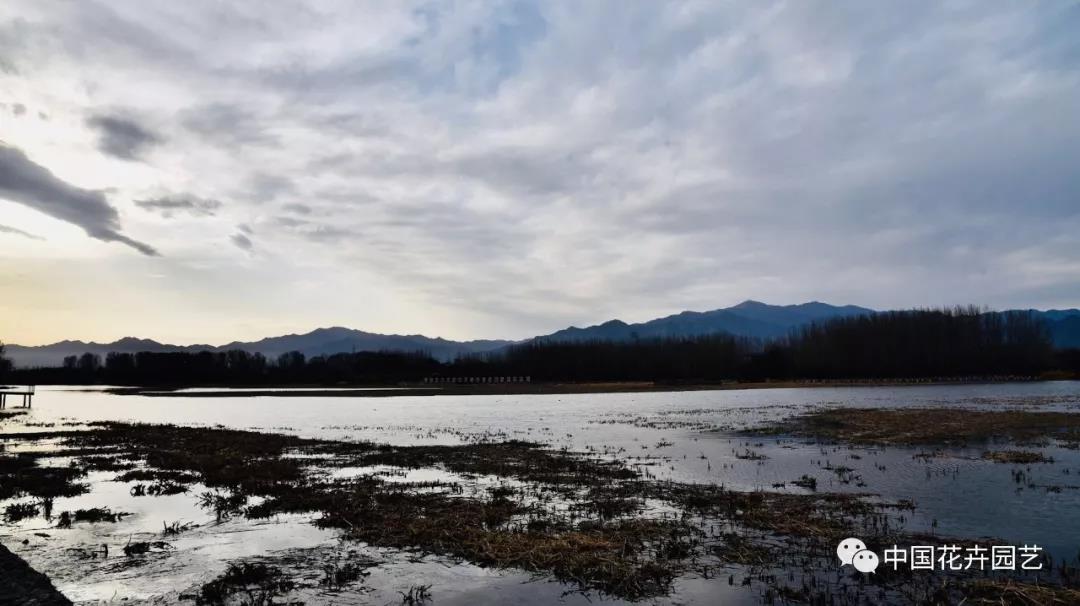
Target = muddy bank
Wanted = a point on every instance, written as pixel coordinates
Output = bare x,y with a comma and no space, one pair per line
23,586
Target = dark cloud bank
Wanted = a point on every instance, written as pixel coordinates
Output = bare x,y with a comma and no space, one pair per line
28,183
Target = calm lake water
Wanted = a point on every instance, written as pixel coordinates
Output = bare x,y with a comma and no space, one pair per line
684,436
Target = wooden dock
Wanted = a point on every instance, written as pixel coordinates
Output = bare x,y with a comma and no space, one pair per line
26,392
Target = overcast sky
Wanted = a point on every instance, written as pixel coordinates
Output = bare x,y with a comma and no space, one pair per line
205,171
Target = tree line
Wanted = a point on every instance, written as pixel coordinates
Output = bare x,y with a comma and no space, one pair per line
938,343
941,343
234,367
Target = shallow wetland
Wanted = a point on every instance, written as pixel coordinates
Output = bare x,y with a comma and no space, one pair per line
658,497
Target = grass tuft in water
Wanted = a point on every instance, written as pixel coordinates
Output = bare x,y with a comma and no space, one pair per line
248,584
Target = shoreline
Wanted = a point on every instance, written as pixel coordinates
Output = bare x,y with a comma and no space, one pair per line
25,585
507,389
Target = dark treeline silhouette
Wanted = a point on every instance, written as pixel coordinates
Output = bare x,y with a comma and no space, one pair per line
922,343
233,367
710,357
917,344
960,342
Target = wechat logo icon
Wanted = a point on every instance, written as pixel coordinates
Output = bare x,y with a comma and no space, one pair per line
854,552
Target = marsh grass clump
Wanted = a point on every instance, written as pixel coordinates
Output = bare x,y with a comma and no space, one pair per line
23,476
607,508
1022,457
224,504
416,595
750,455
157,475
740,549
165,488
104,463
17,512
96,515
925,426
176,528
338,575
145,547
158,489
248,584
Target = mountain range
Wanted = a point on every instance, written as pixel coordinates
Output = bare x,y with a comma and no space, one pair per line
317,342
749,319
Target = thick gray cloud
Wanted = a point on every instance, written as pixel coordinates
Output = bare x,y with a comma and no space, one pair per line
241,241
122,137
171,204
4,229
517,166
23,181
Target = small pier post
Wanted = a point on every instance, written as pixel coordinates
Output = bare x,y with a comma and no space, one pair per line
27,394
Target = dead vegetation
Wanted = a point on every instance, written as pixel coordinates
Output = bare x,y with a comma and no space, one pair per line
416,595
586,520
157,489
20,511
343,572
1011,593
144,547
21,476
525,461
157,475
926,426
249,584
1021,457
97,515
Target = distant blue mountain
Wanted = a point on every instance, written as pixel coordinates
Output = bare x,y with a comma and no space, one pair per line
1066,331
1056,315
340,340
760,320
1064,325
317,342
747,319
